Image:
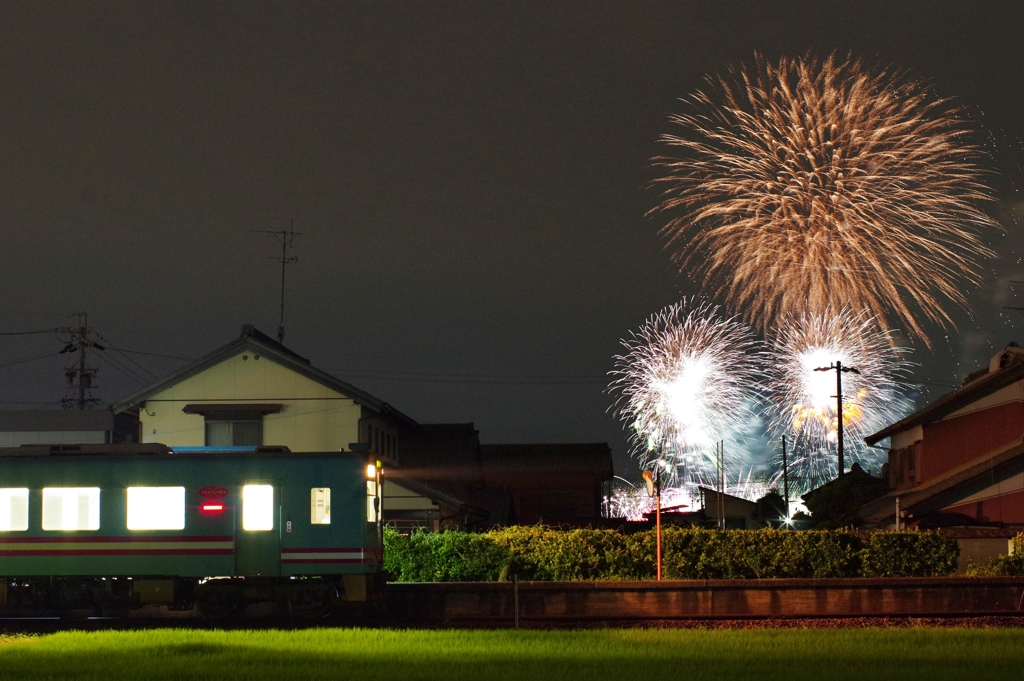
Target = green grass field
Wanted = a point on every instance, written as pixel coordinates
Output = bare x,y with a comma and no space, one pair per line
613,654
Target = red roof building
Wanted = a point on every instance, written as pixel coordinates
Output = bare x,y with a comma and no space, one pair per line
963,455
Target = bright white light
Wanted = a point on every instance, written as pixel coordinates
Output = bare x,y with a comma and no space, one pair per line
14,509
257,508
684,384
819,386
156,508
686,398
71,508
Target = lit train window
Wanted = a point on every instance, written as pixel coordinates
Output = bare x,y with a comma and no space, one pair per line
156,508
257,507
320,505
14,509
71,508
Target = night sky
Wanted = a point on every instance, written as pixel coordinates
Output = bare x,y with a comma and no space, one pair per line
468,178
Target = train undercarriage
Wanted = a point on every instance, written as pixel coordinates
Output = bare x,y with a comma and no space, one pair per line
214,598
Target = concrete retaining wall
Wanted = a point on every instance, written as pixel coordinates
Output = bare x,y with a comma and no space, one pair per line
937,596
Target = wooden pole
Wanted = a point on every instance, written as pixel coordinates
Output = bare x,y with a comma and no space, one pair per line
657,521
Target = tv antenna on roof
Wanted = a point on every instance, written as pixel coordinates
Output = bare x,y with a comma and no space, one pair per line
286,239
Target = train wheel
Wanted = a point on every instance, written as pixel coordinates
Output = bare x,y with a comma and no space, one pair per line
312,602
217,603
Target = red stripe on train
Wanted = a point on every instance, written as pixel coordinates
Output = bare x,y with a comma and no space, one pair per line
112,540
15,553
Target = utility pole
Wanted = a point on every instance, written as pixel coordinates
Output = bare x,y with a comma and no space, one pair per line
286,238
839,369
720,483
785,477
79,341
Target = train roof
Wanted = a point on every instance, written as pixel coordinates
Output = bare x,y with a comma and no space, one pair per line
150,450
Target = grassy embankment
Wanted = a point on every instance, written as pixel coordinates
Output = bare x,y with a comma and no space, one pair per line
382,655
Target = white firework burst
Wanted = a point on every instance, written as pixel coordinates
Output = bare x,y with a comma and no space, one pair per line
804,400
688,380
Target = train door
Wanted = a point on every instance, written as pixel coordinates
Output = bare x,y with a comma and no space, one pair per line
258,531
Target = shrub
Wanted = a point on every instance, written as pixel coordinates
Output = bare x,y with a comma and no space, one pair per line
545,554
443,557
909,554
758,554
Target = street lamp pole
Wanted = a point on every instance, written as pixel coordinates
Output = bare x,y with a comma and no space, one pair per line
653,481
839,369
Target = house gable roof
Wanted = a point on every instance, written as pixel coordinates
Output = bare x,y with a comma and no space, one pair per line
951,402
253,340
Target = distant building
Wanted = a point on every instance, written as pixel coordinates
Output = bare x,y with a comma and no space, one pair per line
58,427
254,391
962,456
563,484
740,513
551,483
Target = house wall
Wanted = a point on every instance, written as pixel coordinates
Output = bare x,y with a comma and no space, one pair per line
1006,508
958,440
313,417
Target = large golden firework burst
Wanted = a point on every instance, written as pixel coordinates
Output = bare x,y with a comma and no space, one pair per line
820,184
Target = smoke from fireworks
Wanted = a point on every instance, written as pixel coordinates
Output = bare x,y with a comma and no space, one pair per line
804,399
815,185
683,385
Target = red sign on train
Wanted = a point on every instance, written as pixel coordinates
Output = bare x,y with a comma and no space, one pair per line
213,492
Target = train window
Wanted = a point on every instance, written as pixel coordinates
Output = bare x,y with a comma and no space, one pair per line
14,509
71,508
257,507
320,505
156,508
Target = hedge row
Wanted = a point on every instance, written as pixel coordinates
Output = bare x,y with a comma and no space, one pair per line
544,554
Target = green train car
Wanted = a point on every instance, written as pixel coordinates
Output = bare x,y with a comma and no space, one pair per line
105,528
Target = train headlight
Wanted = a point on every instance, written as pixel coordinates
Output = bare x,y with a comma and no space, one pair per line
371,471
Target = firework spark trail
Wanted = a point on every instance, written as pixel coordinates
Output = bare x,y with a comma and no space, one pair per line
683,385
804,399
813,185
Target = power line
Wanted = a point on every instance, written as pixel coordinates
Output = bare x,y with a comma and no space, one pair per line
111,347
29,359
29,333
124,370
478,379
155,354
